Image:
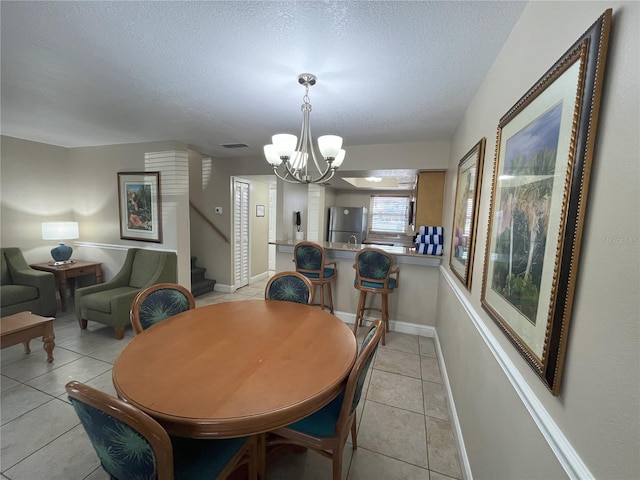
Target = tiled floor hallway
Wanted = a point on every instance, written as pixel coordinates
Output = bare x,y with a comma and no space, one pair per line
404,429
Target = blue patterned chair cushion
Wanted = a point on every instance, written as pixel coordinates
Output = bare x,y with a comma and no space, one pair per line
122,451
328,272
202,459
373,265
392,284
308,257
125,454
290,289
161,304
323,422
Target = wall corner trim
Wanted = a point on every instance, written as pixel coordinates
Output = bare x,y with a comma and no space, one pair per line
559,444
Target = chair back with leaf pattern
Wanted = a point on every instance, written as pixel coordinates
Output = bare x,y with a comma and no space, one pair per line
129,443
374,271
309,258
289,287
158,302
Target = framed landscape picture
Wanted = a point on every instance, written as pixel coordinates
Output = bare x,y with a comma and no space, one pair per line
544,149
465,213
139,203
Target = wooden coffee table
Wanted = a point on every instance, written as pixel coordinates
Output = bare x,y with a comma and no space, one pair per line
23,327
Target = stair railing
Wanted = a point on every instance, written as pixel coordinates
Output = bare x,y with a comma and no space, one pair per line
209,222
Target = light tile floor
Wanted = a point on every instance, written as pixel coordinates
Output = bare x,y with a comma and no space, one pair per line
404,430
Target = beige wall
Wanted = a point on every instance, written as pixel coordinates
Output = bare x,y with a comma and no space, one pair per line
44,182
599,403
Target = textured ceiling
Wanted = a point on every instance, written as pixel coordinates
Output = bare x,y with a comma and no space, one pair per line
209,73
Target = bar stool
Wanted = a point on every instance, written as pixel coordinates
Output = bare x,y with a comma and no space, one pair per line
374,274
309,258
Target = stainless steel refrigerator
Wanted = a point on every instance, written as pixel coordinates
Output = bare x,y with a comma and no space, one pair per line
347,222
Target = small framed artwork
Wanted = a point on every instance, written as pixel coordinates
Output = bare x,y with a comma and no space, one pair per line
544,150
259,210
139,202
465,213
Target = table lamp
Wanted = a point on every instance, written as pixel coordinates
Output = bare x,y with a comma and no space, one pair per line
60,231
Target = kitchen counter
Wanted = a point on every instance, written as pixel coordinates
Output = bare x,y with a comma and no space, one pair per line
348,250
412,307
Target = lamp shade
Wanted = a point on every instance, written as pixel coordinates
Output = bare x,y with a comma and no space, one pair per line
60,231
285,144
329,145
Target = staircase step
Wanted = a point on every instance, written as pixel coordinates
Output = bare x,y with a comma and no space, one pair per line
202,286
197,273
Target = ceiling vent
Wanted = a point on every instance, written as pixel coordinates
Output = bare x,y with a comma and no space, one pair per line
234,145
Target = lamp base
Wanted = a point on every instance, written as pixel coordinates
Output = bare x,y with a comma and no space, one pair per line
62,252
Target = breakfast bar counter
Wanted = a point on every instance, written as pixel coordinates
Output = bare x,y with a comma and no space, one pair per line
412,307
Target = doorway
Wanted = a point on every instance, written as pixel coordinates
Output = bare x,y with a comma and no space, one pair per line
240,233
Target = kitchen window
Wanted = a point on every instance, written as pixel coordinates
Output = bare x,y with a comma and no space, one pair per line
388,214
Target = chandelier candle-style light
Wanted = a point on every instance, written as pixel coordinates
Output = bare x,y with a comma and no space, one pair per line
289,156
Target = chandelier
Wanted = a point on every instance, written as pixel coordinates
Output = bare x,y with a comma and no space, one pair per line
290,156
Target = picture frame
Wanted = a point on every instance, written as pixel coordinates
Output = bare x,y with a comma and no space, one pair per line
544,149
465,213
259,210
139,206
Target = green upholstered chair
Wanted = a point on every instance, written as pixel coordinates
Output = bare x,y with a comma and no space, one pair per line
155,303
374,274
310,260
326,430
23,288
132,445
109,303
290,287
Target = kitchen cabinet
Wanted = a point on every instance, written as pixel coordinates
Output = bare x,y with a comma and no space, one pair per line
429,198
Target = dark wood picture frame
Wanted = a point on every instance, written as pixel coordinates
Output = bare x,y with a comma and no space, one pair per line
139,206
544,149
465,213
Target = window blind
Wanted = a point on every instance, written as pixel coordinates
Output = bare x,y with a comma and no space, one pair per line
388,214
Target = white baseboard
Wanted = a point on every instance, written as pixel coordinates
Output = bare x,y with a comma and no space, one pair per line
259,277
394,325
465,466
219,287
569,459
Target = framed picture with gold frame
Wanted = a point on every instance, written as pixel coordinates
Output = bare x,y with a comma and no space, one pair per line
544,150
139,203
465,213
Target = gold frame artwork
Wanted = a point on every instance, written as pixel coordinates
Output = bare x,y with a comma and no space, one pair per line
465,213
139,206
544,149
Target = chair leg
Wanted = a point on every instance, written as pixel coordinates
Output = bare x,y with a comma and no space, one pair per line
385,317
337,462
83,323
359,311
119,332
262,452
330,297
253,458
354,433
322,296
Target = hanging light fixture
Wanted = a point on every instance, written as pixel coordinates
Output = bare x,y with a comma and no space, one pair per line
290,156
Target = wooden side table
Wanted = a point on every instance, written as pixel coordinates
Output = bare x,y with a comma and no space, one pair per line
24,326
63,273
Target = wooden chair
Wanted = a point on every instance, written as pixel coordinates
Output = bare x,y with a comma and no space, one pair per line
130,444
326,430
374,274
290,287
157,302
309,258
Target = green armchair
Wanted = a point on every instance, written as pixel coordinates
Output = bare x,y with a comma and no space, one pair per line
25,289
109,303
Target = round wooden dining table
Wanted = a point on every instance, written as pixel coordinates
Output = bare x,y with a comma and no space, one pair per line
236,368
